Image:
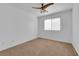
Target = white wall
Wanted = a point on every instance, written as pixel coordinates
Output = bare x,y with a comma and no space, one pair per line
16,26
75,25
65,35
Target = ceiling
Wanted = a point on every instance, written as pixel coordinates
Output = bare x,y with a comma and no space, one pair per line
27,7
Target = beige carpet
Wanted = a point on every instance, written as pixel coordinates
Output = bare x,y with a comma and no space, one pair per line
41,47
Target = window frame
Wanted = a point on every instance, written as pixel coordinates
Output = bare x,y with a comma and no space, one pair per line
51,24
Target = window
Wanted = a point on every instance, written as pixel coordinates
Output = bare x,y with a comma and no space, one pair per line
48,24
52,24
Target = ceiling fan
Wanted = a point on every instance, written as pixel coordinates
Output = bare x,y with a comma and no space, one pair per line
43,7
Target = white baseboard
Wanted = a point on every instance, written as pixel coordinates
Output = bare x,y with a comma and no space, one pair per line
18,43
54,39
75,49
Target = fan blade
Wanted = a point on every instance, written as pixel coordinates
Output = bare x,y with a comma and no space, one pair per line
36,7
45,6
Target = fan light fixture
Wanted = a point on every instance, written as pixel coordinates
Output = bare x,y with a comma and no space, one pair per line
43,7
